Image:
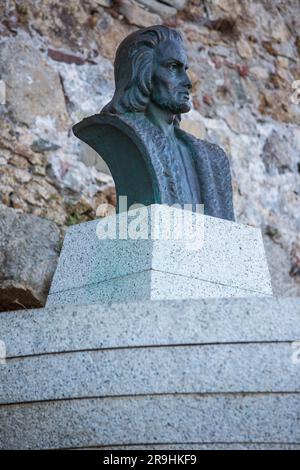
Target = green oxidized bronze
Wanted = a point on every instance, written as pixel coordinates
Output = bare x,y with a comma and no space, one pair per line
138,132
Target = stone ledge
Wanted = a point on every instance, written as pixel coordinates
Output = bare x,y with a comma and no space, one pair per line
152,285
123,421
206,446
227,368
155,322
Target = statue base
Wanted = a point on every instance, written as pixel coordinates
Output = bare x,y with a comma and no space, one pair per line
184,374
162,374
159,252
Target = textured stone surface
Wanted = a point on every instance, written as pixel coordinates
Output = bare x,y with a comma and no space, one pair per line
32,178
84,81
151,373
149,284
228,368
164,9
136,14
219,252
32,84
242,74
2,92
242,83
152,419
207,446
179,4
280,265
144,323
28,256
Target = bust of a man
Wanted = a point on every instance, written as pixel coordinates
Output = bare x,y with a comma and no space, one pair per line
139,129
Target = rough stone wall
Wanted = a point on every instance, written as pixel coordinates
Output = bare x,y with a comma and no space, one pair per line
56,67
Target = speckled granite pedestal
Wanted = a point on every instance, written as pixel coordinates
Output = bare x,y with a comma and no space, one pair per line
212,258
204,373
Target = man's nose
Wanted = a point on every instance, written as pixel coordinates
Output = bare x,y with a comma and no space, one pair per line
187,81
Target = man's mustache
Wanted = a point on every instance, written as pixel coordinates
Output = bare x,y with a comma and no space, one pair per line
181,90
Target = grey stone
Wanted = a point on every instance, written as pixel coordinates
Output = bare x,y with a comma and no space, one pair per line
91,158
161,8
178,4
278,153
28,257
87,87
149,323
104,3
33,88
136,14
152,285
227,368
2,92
43,145
243,418
206,372
279,262
207,446
231,256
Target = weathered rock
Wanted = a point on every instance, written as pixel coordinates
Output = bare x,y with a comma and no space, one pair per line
91,158
75,175
163,10
280,266
295,261
62,23
244,49
88,87
240,120
62,56
33,87
137,15
194,127
104,3
279,152
109,32
178,4
28,256
241,95
42,145
279,30
2,92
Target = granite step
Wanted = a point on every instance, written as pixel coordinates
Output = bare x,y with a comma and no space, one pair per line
149,323
226,418
184,373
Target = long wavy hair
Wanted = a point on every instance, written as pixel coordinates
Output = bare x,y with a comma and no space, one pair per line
133,69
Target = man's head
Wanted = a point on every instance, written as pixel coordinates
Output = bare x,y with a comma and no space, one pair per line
151,64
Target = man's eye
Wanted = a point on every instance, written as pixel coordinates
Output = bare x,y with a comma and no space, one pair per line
173,66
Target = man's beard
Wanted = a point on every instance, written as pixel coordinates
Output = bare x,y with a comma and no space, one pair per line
169,103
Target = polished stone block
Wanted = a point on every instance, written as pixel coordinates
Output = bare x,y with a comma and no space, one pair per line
180,255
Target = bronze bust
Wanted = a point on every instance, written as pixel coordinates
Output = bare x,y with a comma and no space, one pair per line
138,132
